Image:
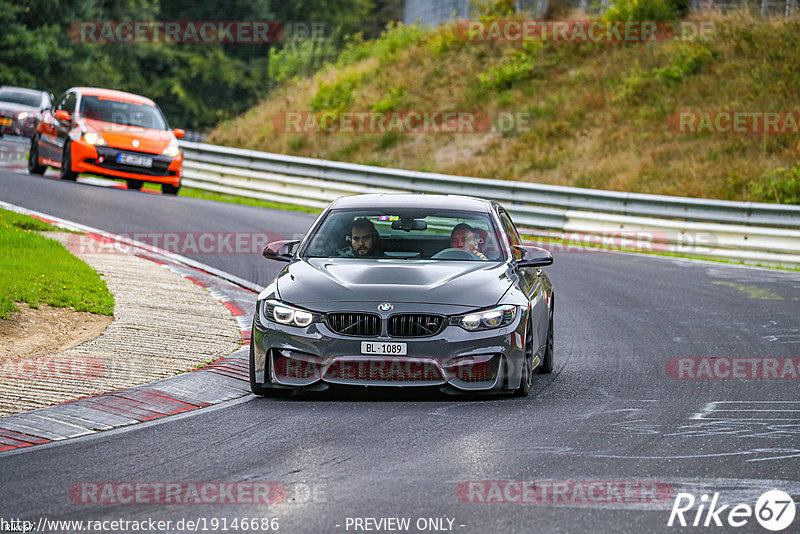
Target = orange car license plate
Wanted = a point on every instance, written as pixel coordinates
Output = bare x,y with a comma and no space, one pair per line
131,159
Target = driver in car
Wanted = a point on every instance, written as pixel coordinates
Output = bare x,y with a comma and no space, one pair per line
364,239
463,237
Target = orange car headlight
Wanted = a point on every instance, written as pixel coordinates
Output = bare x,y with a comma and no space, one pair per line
94,139
172,150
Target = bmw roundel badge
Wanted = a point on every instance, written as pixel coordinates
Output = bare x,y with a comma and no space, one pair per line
385,307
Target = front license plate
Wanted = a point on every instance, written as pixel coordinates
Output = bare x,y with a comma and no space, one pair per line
132,159
5,121
383,349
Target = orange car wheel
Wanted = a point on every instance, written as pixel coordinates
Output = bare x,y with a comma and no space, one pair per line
66,164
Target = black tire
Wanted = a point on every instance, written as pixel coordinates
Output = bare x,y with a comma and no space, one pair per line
169,189
527,373
33,159
257,388
136,185
547,364
66,164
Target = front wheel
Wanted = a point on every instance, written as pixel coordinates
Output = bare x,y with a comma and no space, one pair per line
135,185
169,189
526,382
66,165
259,389
33,159
547,364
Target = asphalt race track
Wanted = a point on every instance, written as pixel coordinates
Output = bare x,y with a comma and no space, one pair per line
611,412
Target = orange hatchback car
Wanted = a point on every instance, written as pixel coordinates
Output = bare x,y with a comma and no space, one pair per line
109,133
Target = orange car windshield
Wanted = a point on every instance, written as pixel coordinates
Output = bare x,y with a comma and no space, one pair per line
125,113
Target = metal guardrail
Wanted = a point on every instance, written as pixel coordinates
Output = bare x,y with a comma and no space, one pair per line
760,228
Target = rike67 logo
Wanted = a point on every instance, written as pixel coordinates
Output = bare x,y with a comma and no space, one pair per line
774,511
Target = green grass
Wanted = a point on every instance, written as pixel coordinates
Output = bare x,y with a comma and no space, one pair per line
221,197
38,270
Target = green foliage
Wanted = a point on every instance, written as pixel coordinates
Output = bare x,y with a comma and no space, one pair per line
395,98
593,115
493,8
337,96
38,271
196,85
632,86
297,143
445,40
683,60
388,140
395,39
301,57
688,60
514,69
645,10
781,185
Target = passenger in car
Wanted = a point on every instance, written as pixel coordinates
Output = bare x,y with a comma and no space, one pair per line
465,238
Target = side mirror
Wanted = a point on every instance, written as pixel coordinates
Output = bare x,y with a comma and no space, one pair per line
280,250
534,257
62,115
178,133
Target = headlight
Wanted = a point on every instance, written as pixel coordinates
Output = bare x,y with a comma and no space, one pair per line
486,319
22,116
93,138
283,313
172,149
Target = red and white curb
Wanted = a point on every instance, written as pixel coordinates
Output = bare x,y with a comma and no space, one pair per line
225,379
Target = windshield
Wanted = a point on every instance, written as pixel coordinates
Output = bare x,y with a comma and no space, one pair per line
406,233
20,97
118,112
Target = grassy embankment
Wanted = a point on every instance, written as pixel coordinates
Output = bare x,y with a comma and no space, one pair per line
598,112
38,270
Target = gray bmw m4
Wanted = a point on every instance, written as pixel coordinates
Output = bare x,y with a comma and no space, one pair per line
405,290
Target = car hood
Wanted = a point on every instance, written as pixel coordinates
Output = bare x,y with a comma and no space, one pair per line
325,280
120,136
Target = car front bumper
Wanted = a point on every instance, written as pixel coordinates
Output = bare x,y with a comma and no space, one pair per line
454,360
102,160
